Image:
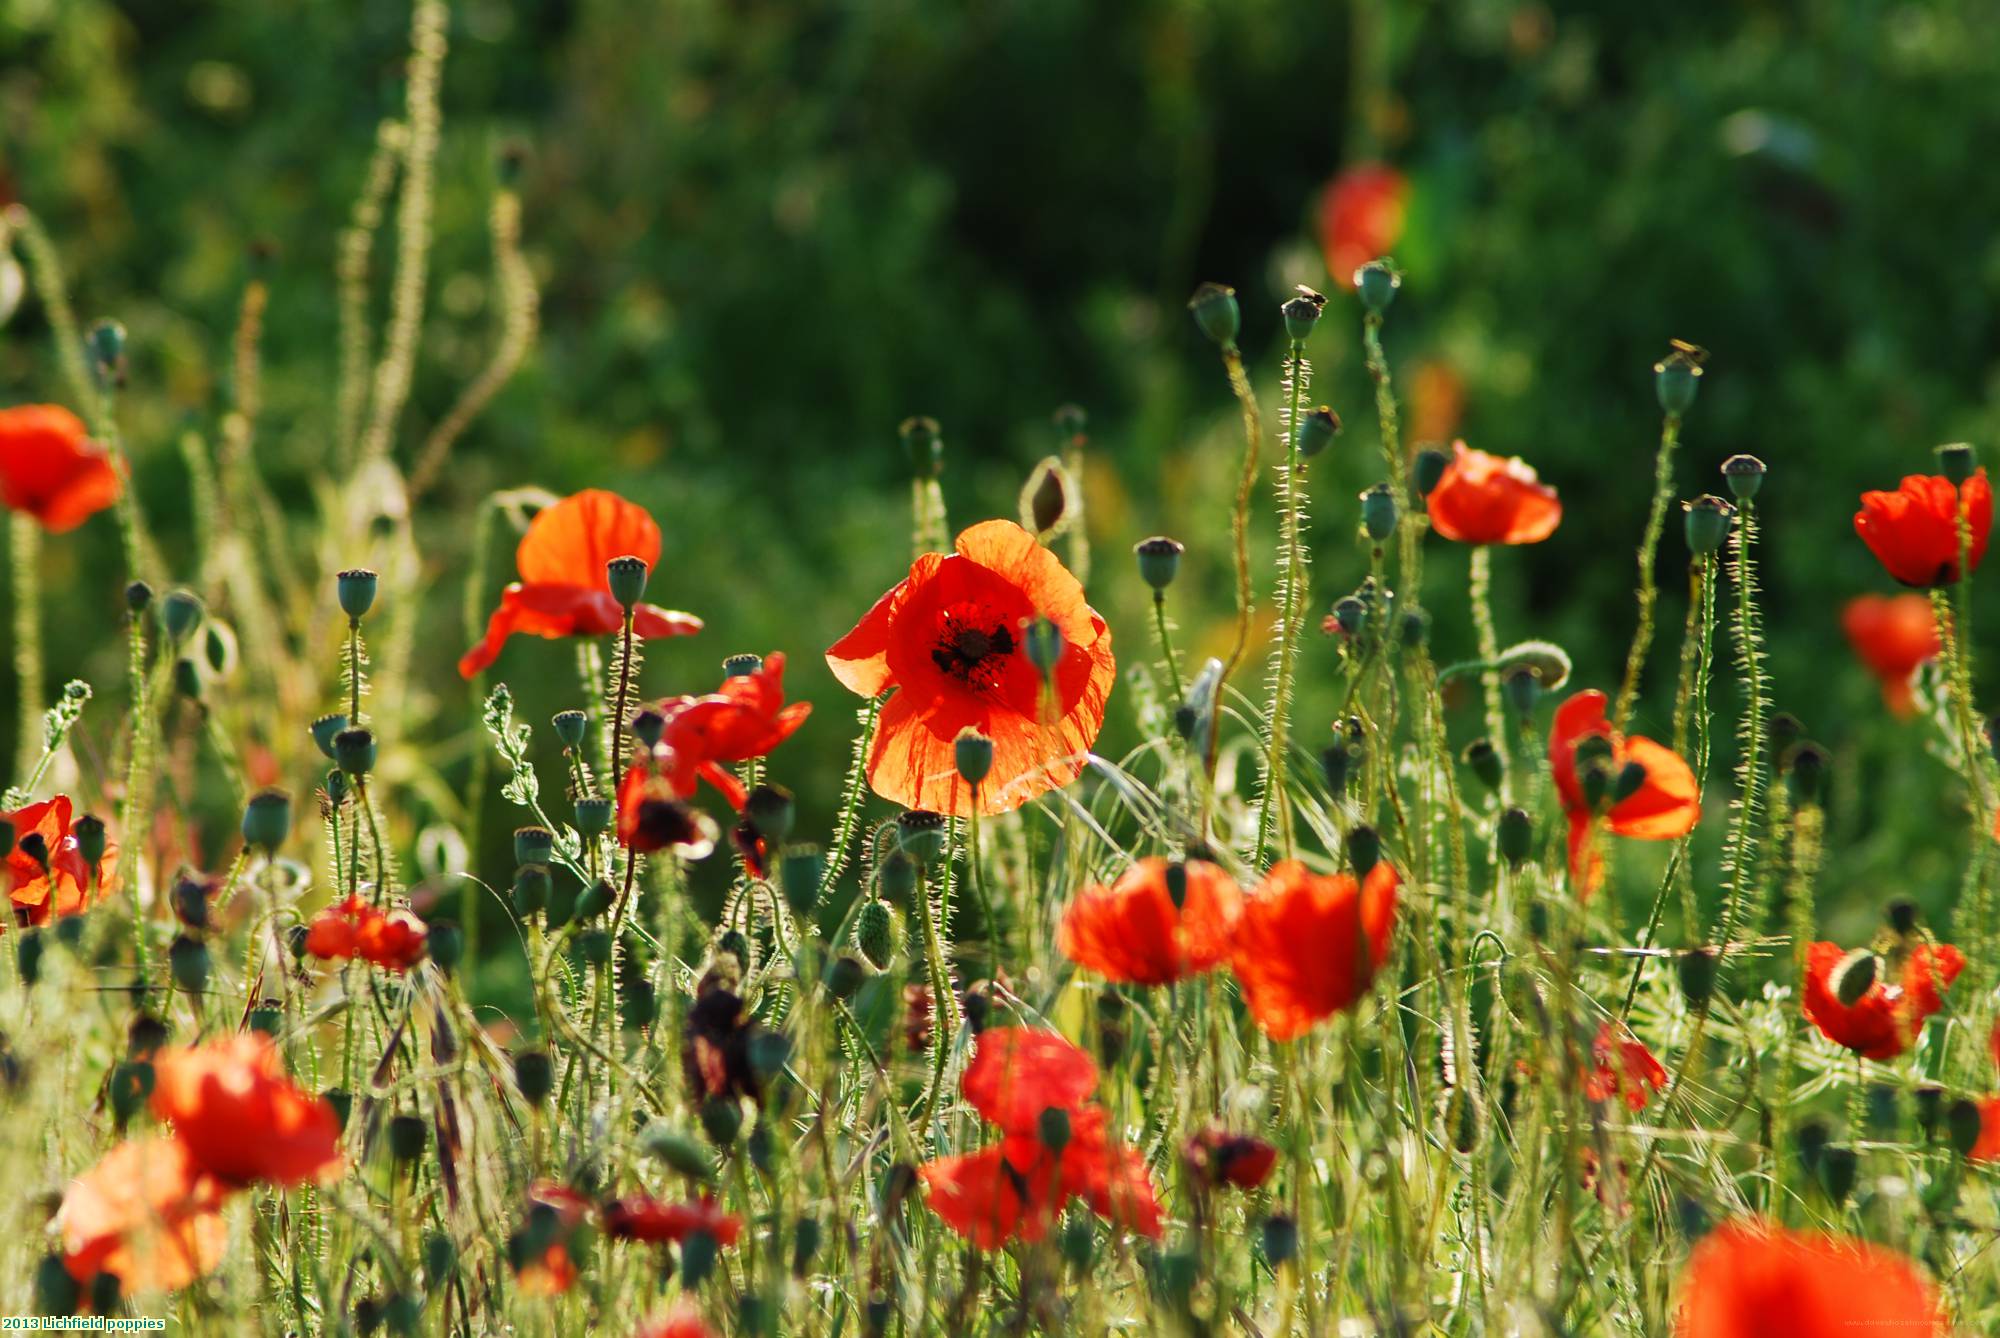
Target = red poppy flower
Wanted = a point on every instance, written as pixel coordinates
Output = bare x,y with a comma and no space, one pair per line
1361,214
683,1321
1016,1073
744,718
147,1214
1987,1146
1485,499
1665,805
240,1117
1913,531
950,639
1308,945
563,590
652,817
643,1218
984,1199
50,470
64,887
1133,932
1885,1020
1622,1066
1015,1189
1751,1280
1219,1158
352,928
552,1271
1893,634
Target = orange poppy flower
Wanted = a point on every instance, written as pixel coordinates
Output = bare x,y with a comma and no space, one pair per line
1485,499
1752,1280
240,1117
683,1321
950,640
1018,1072
644,1218
1913,531
147,1215
1885,1020
563,590
1361,214
1133,932
1987,1146
64,887
394,940
1015,1189
1622,1066
1666,804
1308,945
744,718
1893,634
1217,1157
50,470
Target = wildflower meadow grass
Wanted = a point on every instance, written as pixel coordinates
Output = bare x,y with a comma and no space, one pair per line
1492,1000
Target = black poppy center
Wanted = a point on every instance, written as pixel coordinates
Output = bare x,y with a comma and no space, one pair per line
972,647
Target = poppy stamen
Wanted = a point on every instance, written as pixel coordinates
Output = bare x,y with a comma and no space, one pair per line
972,646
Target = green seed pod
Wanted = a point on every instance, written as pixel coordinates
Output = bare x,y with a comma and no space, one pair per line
341,1102
1378,512
90,839
1677,377
531,889
595,900
1854,976
1052,1127
1317,429
146,1034
440,1258
1336,762
1043,642
638,1003
407,1136
354,751
571,726
648,725
921,835
1427,470
1215,311
130,1086
593,816
742,666
562,901
1956,461
1413,628
535,1075
1517,836
1302,313
768,1052
1349,613
1376,282
679,1152
187,679
356,591
845,975
1364,849
325,730
877,934
266,1020
1838,1167
722,1120
1962,1124
1744,474
972,754
923,444
69,929
594,945
446,945
805,1244
1484,760
56,1292
627,577
180,614
1159,560
534,845
697,1259
1707,520
188,957
267,819
1805,774
768,809
1698,968
1279,1235
137,596
800,869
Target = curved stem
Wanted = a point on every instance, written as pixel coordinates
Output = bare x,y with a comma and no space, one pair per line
1649,547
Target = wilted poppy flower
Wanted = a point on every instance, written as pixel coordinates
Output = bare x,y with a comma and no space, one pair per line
1485,499
240,1117
1885,1020
1308,945
1361,214
1016,1073
1137,931
1218,1157
1622,1066
683,1321
1913,531
50,470
644,1218
563,590
744,718
64,887
652,817
951,640
1893,634
1663,805
715,1043
353,928
146,1214
1751,1280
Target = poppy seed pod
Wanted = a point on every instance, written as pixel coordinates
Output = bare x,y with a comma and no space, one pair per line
1317,429
1707,519
594,946
1428,469
1902,916
648,726
593,815
1378,512
1413,628
768,808
356,590
1176,879
1962,1124
921,835
90,839
137,596
1215,311
923,443
627,576
446,945
1630,778
1364,848
721,1119
742,666
1348,614
1376,283
36,847
1043,641
1955,461
571,727
1523,687
1302,313
1279,1236
1159,560
531,889
1677,377
534,1075
1484,760
1836,1173
698,1253
28,956
325,730
972,753
267,819
1745,475
534,845
1697,971
1336,762
595,900
800,870
180,614
845,975
188,959
1053,1129
354,751
1517,836
407,1136
189,900
1855,976
336,786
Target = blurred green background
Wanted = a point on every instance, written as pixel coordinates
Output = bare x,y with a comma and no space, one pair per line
764,233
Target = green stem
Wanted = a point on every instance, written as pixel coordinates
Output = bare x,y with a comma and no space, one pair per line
1480,583
26,535
1649,547
1167,646
1749,652
1272,809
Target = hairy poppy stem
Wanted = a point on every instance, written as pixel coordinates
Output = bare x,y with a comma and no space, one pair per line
1272,808
1479,583
1167,646
1649,547
1388,419
25,552
1239,518
1750,771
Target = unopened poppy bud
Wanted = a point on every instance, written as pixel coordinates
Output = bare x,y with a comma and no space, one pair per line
1159,560
535,1075
845,975
1349,613
571,727
180,614
137,596
1302,313
1043,641
595,900
1744,474
1279,1236
1215,311
1484,760
972,753
1517,836
698,1256
1378,512
1955,461
1364,848
920,834
336,786
187,679
1053,1129
531,889
90,839
407,1136
1427,470
534,845
923,443
875,933
732,943
648,726
1707,521
593,815
1413,628
1335,762
188,958
28,955
1902,916
1376,282
1962,1124
325,730
1523,687
267,819
800,870
1697,970
446,945
1854,975
105,345
354,751
769,809
897,875
721,1119
1677,377
1836,1172
146,1034
356,590
1630,778
1047,499
1317,429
